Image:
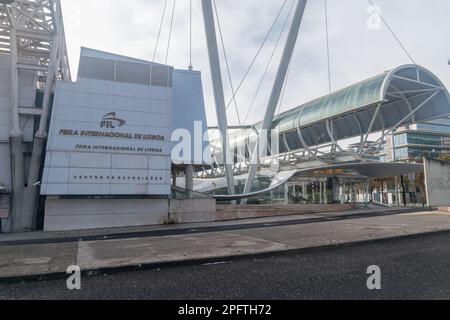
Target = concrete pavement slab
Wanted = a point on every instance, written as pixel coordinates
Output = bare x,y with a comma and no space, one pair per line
117,253
347,231
18,261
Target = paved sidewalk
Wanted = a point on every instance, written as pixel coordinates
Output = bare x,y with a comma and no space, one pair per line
135,247
101,234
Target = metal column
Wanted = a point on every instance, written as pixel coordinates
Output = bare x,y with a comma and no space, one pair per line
304,193
286,193
321,192
189,172
344,193
40,138
276,91
174,177
314,193
16,140
214,60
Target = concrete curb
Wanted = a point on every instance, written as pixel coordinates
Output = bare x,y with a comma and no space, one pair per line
200,261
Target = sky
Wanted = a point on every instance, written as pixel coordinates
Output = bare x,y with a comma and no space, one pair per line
360,45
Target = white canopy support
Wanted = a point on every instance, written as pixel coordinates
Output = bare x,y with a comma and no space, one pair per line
276,91
214,60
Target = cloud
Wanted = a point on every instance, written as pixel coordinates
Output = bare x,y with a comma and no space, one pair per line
131,28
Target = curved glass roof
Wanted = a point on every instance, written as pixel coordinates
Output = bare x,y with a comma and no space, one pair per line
371,92
405,95
359,95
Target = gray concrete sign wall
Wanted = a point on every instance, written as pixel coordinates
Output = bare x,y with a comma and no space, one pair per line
437,180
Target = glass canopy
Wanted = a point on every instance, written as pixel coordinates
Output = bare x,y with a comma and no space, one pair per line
408,94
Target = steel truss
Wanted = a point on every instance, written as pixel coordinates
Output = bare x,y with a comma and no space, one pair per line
368,151
32,34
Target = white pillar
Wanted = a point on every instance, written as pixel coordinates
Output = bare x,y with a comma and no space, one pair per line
40,138
15,132
276,91
189,177
321,192
286,193
355,194
367,192
54,62
313,193
397,192
304,192
344,187
174,176
335,190
18,222
214,60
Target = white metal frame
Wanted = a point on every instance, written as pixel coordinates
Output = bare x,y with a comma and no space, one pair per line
333,153
32,34
214,59
280,80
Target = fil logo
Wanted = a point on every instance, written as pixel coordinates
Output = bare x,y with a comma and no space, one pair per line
110,121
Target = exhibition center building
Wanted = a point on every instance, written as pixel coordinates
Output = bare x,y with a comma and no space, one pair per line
108,162
121,146
127,144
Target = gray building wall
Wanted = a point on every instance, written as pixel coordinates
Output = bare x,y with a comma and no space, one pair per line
437,176
189,111
82,214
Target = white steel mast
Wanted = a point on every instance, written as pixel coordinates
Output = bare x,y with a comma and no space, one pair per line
214,60
276,91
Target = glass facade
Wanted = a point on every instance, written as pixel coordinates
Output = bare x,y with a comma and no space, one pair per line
421,139
418,153
401,139
415,145
440,125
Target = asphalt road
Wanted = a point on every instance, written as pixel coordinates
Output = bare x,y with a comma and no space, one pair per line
416,268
